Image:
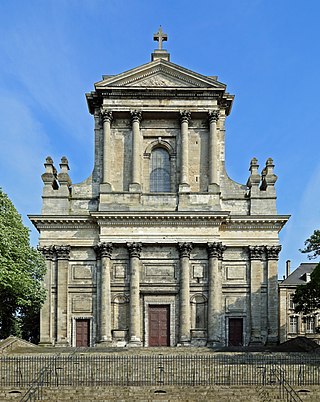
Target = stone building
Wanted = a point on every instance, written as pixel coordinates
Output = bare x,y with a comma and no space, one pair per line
294,324
159,247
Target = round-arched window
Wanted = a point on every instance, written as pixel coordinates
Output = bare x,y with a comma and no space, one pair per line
159,171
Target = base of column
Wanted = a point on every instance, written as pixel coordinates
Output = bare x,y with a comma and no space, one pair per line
184,188
105,343
45,343
214,344
213,188
134,342
272,340
62,344
106,188
135,187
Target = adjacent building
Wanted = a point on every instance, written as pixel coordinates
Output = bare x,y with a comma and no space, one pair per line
159,247
294,324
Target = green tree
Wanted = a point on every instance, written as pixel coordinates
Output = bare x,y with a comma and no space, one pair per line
21,272
307,297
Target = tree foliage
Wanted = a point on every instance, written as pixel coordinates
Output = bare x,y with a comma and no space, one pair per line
307,297
21,272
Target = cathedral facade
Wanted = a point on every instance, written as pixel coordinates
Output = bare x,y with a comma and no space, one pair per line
159,247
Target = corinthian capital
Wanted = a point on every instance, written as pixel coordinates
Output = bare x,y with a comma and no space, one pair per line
134,249
136,116
47,252
215,250
273,252
103,250
213,115
256,252
63,252
185,116
184,249
106,115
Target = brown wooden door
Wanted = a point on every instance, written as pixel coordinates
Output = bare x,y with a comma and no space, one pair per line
82,333
159,324
235,331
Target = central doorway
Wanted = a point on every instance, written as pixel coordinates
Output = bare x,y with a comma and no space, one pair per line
159,325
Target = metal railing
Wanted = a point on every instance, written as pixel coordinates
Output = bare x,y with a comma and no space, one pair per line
286,392
149,370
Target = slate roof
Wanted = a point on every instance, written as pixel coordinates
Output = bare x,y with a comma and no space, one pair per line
298,276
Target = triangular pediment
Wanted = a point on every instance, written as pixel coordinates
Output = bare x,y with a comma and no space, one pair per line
160,73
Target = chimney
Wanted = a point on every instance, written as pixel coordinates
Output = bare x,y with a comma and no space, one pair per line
288,264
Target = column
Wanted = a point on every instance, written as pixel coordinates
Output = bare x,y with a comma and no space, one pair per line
45,312
215,254
272,278
107,119
136,117
63,253
184,161
213,152
104,252
256,277
135,324
185,313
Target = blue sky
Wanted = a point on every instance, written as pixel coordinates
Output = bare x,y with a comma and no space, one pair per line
266,51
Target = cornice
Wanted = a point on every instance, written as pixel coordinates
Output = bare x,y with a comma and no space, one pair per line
255,222
62,222
159,219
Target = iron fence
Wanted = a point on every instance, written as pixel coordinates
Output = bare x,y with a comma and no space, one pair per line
152,370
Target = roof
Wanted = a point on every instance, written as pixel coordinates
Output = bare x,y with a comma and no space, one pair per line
298,276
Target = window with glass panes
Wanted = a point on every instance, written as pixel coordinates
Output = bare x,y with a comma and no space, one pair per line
293,325
159,171
309,325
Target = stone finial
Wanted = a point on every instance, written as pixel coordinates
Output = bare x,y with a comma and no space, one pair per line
268,177
49,177
63,176
254,178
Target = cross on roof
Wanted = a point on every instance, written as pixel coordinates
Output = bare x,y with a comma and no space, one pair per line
160,37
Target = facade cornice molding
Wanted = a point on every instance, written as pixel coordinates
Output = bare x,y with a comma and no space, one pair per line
255,222
156,219
62,222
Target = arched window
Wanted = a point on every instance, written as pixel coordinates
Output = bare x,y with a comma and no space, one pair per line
159,171
198,312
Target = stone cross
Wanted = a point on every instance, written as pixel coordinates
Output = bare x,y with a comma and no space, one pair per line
160,37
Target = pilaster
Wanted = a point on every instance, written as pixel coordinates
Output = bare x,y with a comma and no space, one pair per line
213,186
106,172
185,318
104,252
45,312
184,185
63,254
135,322
256,277
135,185
273,302
215,255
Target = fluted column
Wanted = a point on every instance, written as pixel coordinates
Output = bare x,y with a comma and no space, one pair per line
136,117
213,152
63,253
135,324
185,313
107,119
272,269
215,254
104,251
45,312
256,277
184,162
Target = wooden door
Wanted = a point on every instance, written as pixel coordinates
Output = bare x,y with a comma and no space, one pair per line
159,325
235,331
82,333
